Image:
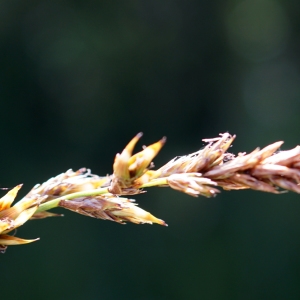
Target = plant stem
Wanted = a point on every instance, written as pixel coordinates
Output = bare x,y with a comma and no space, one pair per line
155,182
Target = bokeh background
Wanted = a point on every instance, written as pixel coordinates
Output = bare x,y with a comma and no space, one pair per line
79,79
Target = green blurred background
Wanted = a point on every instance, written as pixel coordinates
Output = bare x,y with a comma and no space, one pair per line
79,79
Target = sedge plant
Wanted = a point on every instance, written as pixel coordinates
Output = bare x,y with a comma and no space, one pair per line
201,173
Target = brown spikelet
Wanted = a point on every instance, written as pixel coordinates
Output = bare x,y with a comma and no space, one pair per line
111,208
262,170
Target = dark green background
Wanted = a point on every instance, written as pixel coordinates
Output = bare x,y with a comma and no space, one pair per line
79,79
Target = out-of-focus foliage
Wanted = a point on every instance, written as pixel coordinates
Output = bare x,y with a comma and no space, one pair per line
79,78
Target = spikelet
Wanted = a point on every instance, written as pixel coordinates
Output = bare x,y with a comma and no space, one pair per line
13,217
111,208
67,183
129,168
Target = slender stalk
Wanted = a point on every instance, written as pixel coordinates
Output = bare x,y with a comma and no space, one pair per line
155,182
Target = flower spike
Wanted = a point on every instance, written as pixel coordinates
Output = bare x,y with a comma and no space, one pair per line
196,174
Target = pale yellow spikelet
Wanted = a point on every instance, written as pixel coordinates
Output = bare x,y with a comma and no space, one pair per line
23,217
7,200
192,184
129,168
13,217
9,240
137,215
67,183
